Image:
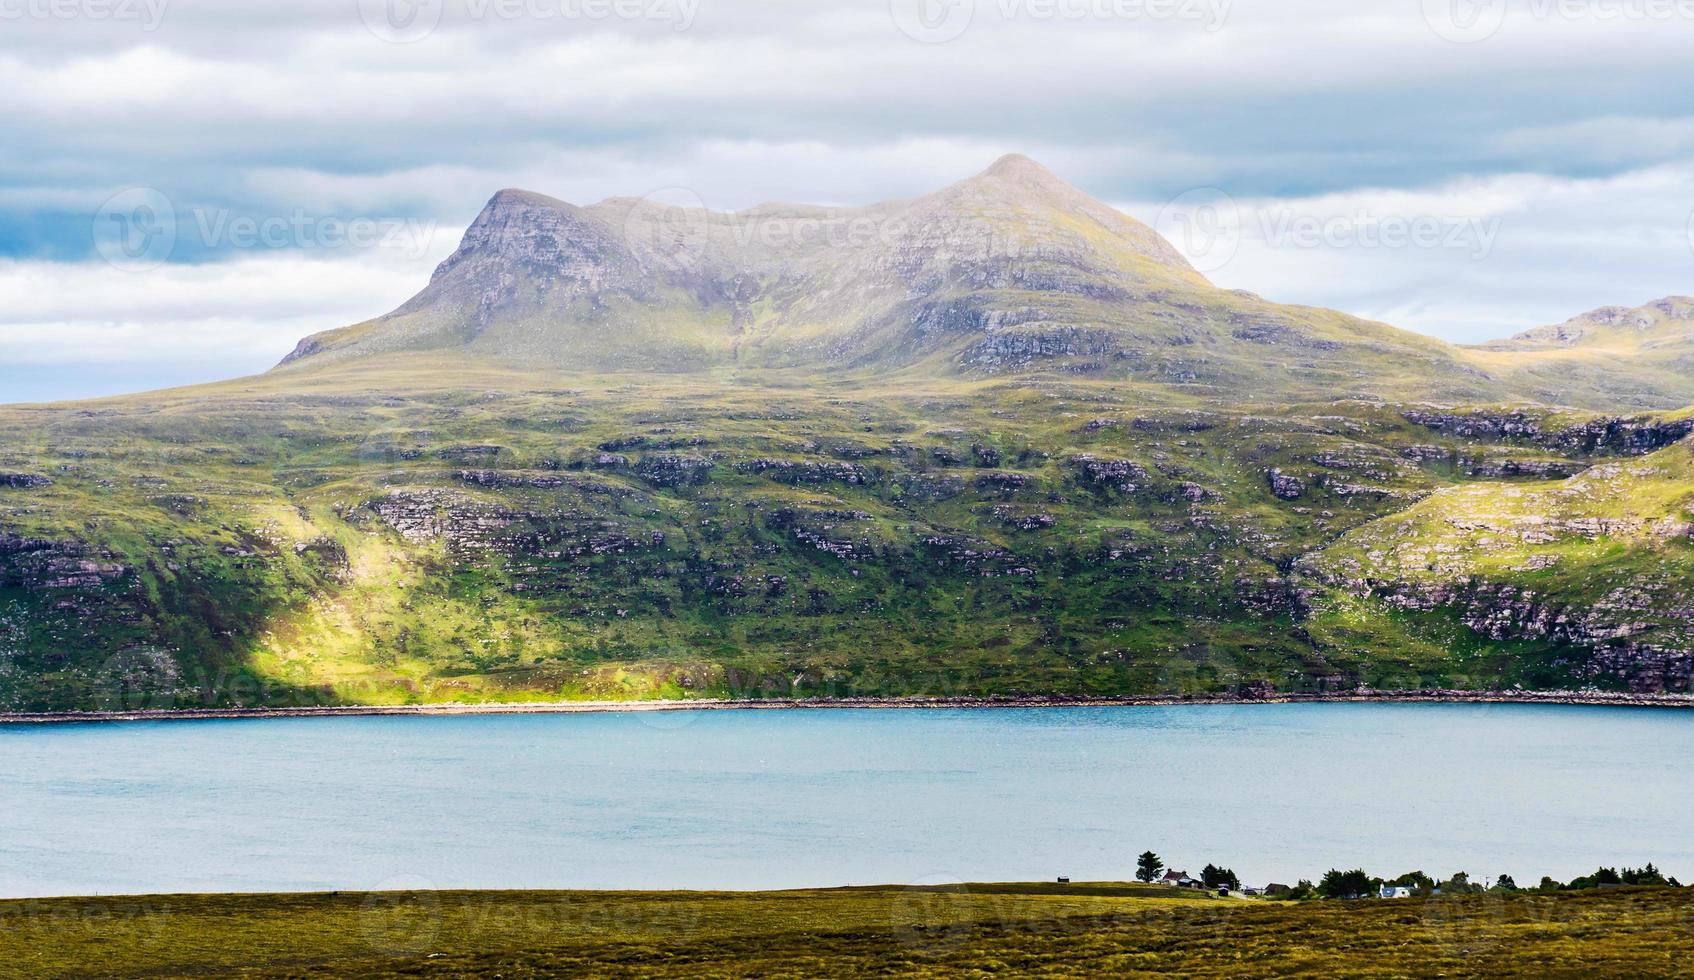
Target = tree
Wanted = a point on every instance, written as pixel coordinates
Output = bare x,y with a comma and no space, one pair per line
1216,877
1548,884
1347,884
1601,876
1148,867
1505,883
1459,884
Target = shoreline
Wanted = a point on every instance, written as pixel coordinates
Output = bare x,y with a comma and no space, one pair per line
1573,698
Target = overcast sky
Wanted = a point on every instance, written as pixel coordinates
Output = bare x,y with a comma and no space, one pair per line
189,186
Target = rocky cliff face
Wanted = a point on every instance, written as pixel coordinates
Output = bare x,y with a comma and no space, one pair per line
1628,435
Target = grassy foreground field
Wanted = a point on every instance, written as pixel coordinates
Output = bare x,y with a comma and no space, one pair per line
968,930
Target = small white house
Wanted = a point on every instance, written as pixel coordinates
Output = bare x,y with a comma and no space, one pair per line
1394,891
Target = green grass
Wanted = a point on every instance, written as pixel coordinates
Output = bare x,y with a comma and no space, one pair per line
968,930
258,559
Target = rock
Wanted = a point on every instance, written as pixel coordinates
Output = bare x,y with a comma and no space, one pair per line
1016,349
468,453
807,471
24,481
1542,469
623,442
670,470
1284,486
1001,483
1122,475
1630,436
506,478
1269,330
930,488
1477,425
425,515
1019,520
11,544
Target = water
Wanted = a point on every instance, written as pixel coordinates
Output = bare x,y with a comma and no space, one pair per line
760,799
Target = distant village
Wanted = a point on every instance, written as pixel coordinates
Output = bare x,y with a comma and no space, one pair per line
1358,884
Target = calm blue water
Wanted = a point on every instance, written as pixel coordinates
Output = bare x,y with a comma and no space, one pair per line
788,798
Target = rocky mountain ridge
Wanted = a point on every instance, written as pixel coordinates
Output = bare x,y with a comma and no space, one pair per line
1010,271
1669,319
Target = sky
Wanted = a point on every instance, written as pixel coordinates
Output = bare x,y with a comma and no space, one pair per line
187,187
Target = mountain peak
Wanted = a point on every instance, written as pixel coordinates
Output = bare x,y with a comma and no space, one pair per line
517,196
1018,169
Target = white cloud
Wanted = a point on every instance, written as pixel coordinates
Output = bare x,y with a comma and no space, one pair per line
204,322
1498,255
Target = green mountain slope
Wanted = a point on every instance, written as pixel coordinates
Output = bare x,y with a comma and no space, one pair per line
1645,355
1005,442
1596,570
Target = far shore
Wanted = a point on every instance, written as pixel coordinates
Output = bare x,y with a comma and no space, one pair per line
1585,698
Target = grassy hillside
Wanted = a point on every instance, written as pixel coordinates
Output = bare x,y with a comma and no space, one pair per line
967,930
1642,356
1602,562
434,529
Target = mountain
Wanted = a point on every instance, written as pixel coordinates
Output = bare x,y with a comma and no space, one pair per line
996,440
1666,323
1010,271
1645,353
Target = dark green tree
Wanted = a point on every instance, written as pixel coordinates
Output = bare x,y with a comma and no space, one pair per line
1549,885
1148,867
1459,884
1347,884
1505,883
1601,876
1216,877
